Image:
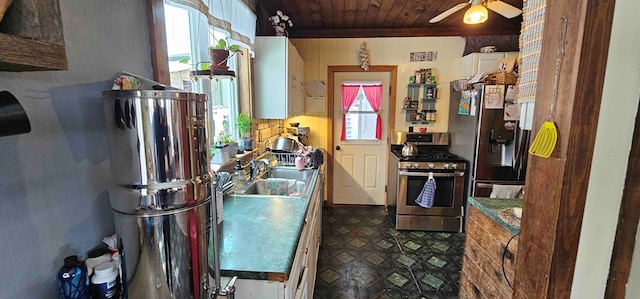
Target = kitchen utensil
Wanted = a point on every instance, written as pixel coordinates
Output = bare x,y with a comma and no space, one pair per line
409,150
295,125
303,131
545,141
284,145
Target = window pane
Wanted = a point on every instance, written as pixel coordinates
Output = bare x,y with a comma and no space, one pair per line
178,45
188,38
361,103
361,126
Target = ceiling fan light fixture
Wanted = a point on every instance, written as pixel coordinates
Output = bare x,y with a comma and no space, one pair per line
476,14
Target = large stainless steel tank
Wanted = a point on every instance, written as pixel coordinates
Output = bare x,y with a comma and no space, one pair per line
161,190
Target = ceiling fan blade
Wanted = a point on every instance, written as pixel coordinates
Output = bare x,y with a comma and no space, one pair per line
448,12
505,9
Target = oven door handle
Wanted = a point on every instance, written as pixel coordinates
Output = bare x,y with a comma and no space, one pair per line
434,174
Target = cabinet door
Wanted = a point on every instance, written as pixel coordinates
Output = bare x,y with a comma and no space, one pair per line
302,89
476,63
271,74
314,246
302,292
292,76
296,84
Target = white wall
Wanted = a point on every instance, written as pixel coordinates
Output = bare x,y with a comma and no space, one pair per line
54,198
610,157
318,54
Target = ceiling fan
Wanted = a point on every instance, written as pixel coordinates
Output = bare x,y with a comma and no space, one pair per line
477,13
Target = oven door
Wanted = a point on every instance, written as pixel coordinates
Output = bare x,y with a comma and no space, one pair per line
448,196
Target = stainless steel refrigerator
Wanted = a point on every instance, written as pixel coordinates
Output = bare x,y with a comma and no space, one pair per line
496,149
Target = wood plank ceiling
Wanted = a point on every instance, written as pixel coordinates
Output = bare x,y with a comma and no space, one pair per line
379,18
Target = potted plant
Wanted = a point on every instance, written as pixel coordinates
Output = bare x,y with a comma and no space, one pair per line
244,122
224,149
219,54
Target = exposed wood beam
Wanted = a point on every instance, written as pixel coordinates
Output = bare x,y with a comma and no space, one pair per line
556,187
158,41
397,32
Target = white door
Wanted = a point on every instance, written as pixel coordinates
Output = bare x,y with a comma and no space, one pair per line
360,161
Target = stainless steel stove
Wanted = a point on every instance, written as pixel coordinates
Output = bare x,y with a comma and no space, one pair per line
407,176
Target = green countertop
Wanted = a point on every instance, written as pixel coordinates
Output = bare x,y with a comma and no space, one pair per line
491,207
259,234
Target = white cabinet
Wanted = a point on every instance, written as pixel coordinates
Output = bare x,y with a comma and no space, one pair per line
475,63
279,78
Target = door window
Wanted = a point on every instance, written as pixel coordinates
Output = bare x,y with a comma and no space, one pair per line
361,119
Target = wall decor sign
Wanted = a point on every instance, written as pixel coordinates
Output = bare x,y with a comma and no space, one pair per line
423,56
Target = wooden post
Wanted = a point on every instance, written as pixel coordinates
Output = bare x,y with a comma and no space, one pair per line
556,187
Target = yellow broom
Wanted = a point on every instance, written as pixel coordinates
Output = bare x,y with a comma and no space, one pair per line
545,141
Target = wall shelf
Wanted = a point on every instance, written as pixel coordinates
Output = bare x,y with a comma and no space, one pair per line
32,38
420,103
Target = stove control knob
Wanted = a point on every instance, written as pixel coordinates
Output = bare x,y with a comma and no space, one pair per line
446,166
416,165
454,165
431,165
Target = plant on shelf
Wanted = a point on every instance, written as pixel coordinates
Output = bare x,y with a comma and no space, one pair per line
220,54
224,148
244,122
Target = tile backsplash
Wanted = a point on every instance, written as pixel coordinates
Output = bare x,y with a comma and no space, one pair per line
266,129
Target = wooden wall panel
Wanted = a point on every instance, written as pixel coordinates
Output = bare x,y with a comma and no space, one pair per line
468,290
482,274
556,187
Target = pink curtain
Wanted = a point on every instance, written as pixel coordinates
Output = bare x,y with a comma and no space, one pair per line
374,96
349,93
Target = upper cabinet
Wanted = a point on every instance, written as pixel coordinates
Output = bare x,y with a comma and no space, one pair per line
475,63
279,78
31,37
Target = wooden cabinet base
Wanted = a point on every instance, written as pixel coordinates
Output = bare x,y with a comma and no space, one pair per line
482,267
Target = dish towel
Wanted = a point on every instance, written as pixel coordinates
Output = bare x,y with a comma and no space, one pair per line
505,191
425,198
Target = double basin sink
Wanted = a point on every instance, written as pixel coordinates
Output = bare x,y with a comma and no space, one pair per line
282,181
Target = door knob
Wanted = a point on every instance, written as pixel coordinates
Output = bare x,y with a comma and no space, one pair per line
337,147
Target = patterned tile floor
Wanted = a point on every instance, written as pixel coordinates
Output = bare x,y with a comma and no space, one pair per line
362,256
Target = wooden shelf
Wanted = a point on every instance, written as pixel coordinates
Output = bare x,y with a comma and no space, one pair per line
422,84
19,54
31,37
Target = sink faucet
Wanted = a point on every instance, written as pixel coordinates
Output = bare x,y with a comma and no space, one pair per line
256,169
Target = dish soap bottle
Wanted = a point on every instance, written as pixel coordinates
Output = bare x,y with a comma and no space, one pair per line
239,178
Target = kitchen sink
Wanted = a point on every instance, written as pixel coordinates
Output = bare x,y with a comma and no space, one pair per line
290,173
269,186
298,181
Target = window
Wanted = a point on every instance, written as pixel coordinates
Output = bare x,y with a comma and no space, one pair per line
360,119
360,106
188,39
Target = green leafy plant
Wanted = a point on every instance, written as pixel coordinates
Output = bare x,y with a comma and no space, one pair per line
224,138
222,45
244,122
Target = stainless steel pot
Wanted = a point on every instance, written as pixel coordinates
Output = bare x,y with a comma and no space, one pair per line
409,150
285,145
